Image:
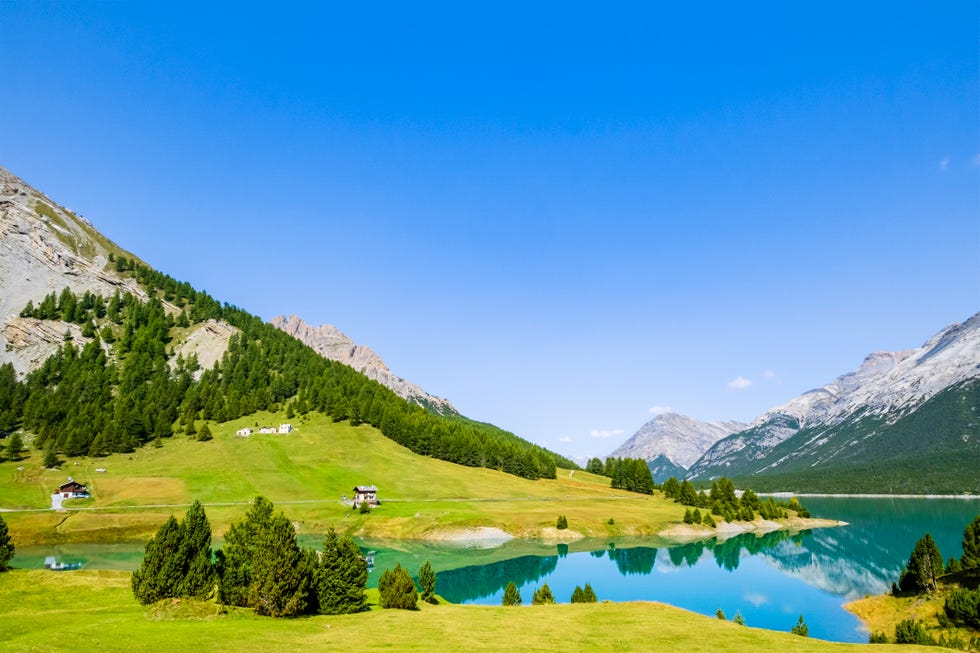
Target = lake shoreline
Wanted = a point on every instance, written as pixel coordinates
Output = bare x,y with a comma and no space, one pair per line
786,495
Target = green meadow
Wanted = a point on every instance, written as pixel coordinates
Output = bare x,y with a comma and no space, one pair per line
95,611
305,473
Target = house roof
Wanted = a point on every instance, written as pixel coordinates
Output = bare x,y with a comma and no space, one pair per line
70,484
365,488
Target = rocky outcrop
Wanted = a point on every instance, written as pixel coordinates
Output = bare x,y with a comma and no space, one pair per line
29,342
679,438
207,341
328,341
44,248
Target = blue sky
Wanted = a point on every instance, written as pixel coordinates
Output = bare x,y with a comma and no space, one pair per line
559,218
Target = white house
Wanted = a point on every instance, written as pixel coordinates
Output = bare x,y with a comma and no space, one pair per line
245,432
267,429
285,428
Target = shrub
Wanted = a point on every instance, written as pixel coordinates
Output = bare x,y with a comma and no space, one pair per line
397,589
562,523
962,606
878,638
911,631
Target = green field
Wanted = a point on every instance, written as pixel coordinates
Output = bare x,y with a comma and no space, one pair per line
95,611
305,473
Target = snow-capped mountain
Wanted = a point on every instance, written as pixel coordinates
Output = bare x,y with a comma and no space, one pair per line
679,438
870,415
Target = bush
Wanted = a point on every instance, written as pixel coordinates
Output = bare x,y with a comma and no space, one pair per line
721,615
962,606
911,631
397,589
878,638
562,523
6,546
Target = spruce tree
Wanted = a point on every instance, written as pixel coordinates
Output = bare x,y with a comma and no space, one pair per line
578,595
971,545
279,586
237,557
672,488
6,546
801,628
14,446
343,576
195,553
204,434
543,596
589,594
925,565
511,595
158,576
687,495
562,523
427,583
397,589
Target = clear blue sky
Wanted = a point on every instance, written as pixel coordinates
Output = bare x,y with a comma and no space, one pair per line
559,218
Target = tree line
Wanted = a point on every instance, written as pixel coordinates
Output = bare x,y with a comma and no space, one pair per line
632,474
722,501
262,567
124,388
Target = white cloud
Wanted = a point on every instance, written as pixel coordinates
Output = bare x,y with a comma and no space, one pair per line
602,434
944,163
660,410
756,599
739,383
565,439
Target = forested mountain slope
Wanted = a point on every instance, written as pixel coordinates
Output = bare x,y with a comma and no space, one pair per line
114,381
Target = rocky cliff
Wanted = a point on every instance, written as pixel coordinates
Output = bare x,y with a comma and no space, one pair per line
679,438
328,341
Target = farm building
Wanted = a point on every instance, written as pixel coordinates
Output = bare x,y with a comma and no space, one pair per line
73,490
365,494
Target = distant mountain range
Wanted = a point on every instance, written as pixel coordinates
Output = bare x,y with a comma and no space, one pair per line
671,443
906,421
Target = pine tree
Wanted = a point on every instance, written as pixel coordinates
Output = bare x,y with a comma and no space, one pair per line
925,565
801,628
671,488
721,614
158,576
971,545
738,618
237,556
427,583
511,595
6,546
279,586
204,434
50,455
397,589
343,576
687,495
14,446
562,523
543,596
195,553
589,594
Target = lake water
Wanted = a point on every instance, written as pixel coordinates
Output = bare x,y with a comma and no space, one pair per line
770,580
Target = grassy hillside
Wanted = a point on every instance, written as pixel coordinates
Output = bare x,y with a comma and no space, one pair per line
305,474
40,611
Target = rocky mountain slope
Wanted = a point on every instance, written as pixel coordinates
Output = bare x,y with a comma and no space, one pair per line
677,438
45,247
896,408
328,341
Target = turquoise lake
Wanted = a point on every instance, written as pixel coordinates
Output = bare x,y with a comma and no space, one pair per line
770,579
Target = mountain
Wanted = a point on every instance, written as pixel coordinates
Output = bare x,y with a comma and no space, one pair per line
902,422
102,354
672,442
328,341
44,248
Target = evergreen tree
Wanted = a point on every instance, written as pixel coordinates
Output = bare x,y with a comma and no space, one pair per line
738,618
971,544
589,594
910,631
204,433
578,595
6,546
543,596
953,565
50,455
237,557
594,466
427,583
195,554
158,576
688,496
511,595
397,589
14,446
343,576
708,520
671,488
279,587
800,628
925,565
562,523
721,614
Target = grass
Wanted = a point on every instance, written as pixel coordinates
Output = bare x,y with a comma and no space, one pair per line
305,474
40,611
882,613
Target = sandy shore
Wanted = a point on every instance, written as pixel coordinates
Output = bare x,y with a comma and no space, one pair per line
725,530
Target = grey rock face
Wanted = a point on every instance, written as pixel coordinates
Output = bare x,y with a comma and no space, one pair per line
678,437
